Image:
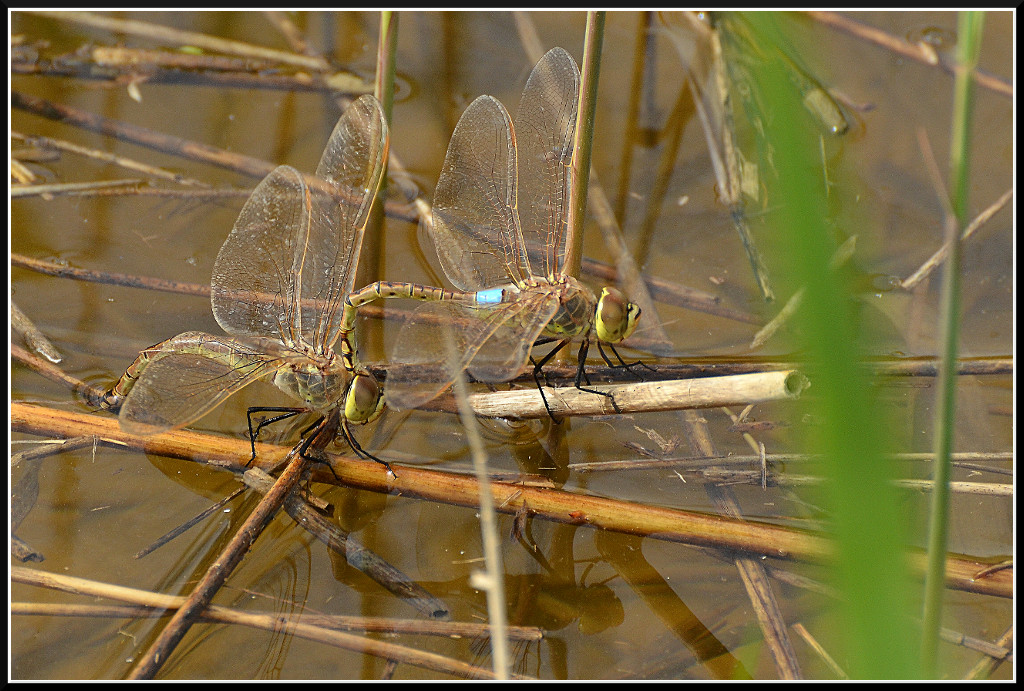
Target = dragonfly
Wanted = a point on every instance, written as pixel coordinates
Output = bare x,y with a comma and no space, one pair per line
499,226
278,289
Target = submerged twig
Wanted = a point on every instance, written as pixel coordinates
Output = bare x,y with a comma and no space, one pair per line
54,373
150,662
352,551
940,254
142,136
32,335
921,52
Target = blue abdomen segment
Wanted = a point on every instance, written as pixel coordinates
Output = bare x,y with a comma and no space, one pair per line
492,296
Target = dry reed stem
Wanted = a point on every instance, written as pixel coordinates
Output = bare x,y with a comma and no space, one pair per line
674,525
172,36
337,622
271,622
642,396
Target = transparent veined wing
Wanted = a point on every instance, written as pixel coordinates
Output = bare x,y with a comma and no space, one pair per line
255,285
287,264
353,165
475,229
545,124
192,374
441,339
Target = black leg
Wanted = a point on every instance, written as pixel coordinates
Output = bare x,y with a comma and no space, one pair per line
310,434
581,374
285,414
622,363
360,451
537,367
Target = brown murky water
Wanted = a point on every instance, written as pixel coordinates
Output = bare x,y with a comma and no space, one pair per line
610,605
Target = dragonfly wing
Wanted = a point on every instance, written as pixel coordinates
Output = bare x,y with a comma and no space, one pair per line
510,334
545,125
353,165
253,289
475,228
442,339
285,268
186,380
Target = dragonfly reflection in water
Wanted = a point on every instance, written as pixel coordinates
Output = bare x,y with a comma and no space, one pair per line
279,285
499,228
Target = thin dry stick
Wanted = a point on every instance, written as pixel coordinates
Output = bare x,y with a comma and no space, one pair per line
698,462
176,37
69,188
566,507
269,621
343,82
337,622
145,60
491,580
940,254
178,530
817,647
122,161
752,573
991,489
218,572
921,52
142,136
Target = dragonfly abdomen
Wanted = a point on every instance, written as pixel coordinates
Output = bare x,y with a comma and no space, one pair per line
190,342
385,289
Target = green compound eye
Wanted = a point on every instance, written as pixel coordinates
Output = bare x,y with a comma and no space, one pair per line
616,316
363,401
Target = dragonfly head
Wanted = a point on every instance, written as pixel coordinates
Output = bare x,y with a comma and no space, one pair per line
616,316
363,401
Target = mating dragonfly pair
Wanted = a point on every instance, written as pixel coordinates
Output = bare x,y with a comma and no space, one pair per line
282,283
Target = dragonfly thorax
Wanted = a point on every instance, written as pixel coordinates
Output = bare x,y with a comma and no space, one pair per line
320,385
576,308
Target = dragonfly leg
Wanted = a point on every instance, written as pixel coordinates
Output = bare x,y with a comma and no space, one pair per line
537,368
316,456
622,364
581,374
253,433
360,451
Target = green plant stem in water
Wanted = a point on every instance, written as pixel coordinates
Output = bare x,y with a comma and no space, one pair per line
969,30
871,566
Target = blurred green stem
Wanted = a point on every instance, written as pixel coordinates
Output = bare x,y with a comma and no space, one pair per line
969,30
